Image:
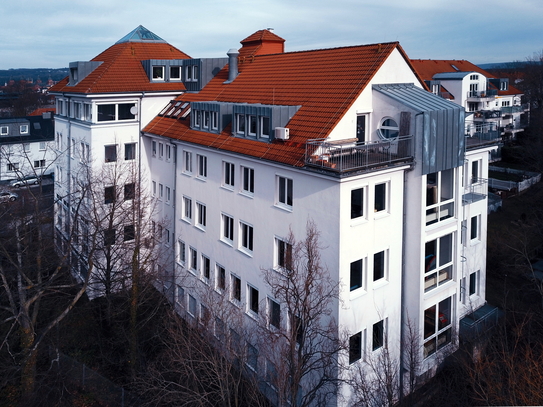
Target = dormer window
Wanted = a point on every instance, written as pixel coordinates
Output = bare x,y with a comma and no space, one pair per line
4,130
206,119
24,129
252,125
191,73
214,120
240,123
197,118
265,126
175,73
158,73
503,85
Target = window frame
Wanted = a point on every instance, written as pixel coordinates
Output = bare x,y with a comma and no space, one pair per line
201,161
253,300
187,209
378,334
381,197
187,162
284,192
247,181
380,274
193,260
129,151
229,172
438,266
220,278
357,279
246,237
435,330
227,229
205,268
201,215
235,288
110,153
441,208
274,314
358,208
355,347
390,130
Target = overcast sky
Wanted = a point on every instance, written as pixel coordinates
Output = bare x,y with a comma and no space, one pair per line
51,34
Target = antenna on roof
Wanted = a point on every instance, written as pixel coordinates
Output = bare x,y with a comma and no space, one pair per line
270,29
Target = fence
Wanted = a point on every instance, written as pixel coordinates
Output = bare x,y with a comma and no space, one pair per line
104,390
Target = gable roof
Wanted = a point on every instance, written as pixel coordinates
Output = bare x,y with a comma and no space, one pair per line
121,69
428,68
323,82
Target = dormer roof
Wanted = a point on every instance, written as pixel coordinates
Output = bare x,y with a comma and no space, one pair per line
119,69
325,83
260,43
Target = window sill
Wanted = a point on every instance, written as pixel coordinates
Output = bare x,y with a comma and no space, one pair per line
252,315
357,293
228,188
245,252
186,220
381,214
200,227
229,243
358,221
380,283
286,208
202,179
246,194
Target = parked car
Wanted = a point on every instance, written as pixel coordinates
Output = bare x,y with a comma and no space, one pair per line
6,196
25,181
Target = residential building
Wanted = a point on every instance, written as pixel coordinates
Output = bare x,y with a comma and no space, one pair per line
493,105
246,149
26,146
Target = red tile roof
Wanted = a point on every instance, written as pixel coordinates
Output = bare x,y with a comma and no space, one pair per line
122,71
324,83
427,68
42,110
260,43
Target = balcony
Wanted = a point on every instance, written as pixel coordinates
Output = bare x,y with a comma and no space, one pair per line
476,95
349,155
487,114
515,109
482,138
477,323
476,191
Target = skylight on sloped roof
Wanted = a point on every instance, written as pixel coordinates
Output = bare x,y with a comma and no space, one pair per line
140,34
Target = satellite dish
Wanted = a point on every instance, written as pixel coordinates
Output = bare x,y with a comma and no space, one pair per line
134,110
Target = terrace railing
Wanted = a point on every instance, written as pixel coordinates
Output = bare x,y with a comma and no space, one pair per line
351,155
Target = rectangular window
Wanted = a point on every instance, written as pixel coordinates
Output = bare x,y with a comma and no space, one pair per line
158,72
154,148
24,129
129,191
437,326
474,231
438,262
252,357
168,152
356,274
206,267
201,209
130,151
188,161
205,121
168,194
180,296
153,184
106,113
253,299
379,265
473,286
175,72
214,120
228,174
110,153
357,203
252,125
26,147
160,191
202,166
181,252
192,306
187,208
247,180
265,126
380,197
39,163
246,236
240,123
129,233
14,167
43,145
284,254
284,191
4,130
274,313
160,150
355,347
193,259
227,228
109,237
109,195
235,287
378,334
221,278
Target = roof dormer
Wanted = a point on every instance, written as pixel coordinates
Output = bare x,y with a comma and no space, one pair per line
79,70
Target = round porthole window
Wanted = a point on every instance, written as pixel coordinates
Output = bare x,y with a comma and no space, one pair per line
389,128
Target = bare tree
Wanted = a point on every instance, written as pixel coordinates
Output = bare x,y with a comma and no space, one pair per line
302,366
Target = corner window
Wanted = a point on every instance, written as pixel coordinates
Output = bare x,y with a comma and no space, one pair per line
389,128
284,191
437,326
106,113
438,262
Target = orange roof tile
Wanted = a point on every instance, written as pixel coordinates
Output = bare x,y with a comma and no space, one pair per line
260,43
427,68
42,110
324,83
122,71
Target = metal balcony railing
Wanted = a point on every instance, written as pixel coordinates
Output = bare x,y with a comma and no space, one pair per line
479,94
475,191
487,114
350,155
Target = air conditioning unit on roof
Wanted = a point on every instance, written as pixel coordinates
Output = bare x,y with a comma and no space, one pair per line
282,133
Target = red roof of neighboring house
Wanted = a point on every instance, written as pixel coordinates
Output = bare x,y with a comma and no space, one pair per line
40,111
427,68
122,71
323,82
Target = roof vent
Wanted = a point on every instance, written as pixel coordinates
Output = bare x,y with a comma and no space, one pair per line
232,65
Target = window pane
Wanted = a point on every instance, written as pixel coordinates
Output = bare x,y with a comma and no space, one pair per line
356,274
106,113
380,197
125,111
357,199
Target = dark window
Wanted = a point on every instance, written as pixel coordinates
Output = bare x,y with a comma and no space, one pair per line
248,179
357,203
378,335
356,274
355,347
130,151
129,191
125,111
109,195
253,299
275,314
474,227
106,113
221,278
247,236
380,197
228,227
473,283
206,267
285,191
236,288
129,233
109,237
110,153
378,266
284,254
229,174
175,72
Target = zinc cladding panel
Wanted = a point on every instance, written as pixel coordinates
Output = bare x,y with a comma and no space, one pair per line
443,142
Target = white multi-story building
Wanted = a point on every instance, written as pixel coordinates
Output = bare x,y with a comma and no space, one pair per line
26,147
349,138
493,106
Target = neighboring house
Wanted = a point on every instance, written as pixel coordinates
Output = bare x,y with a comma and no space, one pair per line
238,152
493,106
26,146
